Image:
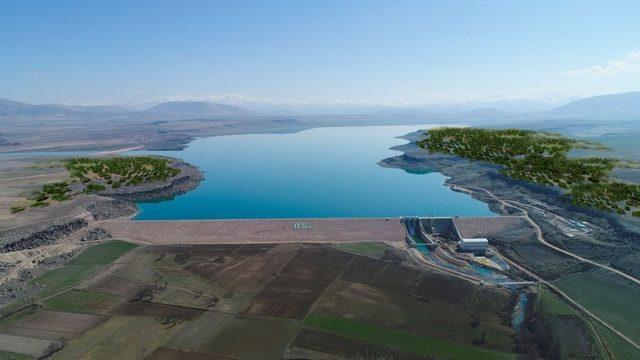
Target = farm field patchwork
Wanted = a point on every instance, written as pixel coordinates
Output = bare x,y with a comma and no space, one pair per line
399,339
267,301
81,266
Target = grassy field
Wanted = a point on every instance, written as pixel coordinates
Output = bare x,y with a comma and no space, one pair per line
103,254
80,301
609,296
249,338
15,346
5,355
81,266
572,333
57,279
616,346
121,337
399,339
200,332
553,304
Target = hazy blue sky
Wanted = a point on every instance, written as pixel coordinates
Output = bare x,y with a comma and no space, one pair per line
325,51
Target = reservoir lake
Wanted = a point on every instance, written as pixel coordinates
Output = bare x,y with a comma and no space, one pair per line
318,173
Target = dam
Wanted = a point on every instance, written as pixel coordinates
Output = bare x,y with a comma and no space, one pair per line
321,230
301,230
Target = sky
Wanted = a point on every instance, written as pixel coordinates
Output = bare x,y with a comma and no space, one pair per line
342,51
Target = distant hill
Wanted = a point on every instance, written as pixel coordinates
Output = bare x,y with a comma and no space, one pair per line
618,106
15,108
196,109
485,113
95,109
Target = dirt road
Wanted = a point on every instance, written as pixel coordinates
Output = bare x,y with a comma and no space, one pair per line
540,237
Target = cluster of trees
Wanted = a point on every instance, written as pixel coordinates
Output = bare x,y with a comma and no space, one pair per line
91,175
542,158
121,171
57,191
608,196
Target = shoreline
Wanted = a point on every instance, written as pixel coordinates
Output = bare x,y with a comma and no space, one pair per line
602,237
119,150
42,226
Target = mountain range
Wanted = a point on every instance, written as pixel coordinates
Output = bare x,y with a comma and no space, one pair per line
197,108
624,106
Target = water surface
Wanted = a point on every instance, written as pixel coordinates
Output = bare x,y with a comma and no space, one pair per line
325,172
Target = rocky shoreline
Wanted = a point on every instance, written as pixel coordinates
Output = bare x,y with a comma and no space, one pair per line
607,238
188,179
110,204
40,235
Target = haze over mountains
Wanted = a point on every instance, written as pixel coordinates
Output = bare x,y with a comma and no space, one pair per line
197,108
625,106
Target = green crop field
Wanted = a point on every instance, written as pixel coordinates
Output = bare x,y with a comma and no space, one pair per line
5,355
399,339
608,296
552,304
82,302
542,158
103,254
57,279
81,266
570,333
616,345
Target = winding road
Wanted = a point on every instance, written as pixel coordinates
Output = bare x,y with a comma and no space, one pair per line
540,238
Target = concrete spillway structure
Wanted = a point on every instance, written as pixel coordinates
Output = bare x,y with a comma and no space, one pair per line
422,231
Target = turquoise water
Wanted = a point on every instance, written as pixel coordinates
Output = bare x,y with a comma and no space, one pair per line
326,172
519,310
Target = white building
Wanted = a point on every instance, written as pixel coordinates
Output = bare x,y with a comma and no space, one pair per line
475,245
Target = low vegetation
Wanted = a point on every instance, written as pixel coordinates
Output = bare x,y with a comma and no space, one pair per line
81,266
401,340
610,297
562,332
92,175
121,171
6,355
542,158
16,209
79,301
